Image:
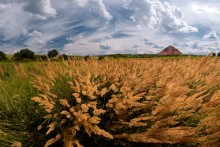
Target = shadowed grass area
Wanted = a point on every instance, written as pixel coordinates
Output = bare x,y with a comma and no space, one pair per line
17,111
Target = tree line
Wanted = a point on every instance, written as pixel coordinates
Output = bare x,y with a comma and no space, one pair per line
28,54
216,54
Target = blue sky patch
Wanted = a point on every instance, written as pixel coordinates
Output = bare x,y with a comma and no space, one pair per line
109,26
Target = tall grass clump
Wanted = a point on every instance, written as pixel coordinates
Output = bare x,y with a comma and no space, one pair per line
125,102
17,117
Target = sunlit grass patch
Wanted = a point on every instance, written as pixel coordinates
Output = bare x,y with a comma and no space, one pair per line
112,102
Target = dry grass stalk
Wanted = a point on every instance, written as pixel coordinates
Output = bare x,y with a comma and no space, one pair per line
171,102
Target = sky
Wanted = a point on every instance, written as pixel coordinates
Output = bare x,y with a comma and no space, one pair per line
98,27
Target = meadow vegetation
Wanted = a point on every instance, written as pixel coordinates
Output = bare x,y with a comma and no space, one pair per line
111,102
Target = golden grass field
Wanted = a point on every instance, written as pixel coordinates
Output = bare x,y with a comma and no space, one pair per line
111,102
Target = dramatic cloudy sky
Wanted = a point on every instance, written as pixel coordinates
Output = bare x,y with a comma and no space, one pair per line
89,27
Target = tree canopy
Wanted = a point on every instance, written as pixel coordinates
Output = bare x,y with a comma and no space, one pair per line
52,53
24,53
2,56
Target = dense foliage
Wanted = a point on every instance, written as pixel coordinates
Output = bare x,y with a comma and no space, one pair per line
52,53
2,56
24,54
64,57
216,54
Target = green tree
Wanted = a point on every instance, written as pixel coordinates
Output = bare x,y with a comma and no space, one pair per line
2,56
24,53
64,56
52,53
44,57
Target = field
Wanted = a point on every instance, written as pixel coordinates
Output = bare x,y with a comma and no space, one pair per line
109,102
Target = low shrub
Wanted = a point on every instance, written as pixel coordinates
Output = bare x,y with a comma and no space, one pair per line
52,53
24,54
2,56
64,57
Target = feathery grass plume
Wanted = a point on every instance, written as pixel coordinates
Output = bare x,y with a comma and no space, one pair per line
176,105
1,71
16,144
144,101
53,140
20,69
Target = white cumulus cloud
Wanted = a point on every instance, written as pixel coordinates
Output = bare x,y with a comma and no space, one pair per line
4,7
41,8
109,26
104,46
98,5
159,15
35,39
80,2
210,36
